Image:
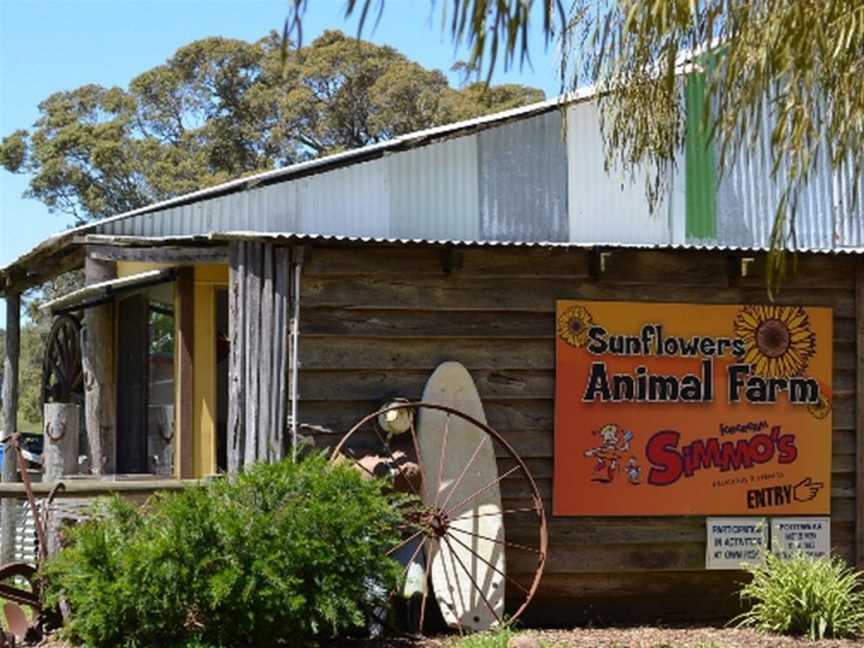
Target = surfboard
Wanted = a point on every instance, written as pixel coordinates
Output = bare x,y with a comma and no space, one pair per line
469,592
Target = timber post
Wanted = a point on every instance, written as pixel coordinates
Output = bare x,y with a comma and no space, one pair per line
859,416
100,389
60,454
184,437
10,421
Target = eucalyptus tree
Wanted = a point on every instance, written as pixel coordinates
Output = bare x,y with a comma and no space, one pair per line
222,108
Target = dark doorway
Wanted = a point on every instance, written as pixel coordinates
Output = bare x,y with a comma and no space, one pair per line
132,343
145,382
223,353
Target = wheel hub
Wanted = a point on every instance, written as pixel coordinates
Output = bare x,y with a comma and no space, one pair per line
436,522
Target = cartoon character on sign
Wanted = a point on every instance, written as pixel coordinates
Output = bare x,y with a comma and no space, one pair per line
608,456
634,471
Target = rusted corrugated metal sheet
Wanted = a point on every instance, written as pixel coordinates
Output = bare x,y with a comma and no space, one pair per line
523,180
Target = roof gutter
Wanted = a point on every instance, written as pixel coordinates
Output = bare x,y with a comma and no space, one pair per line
105,291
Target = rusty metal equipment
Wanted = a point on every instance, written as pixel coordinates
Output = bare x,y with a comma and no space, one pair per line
62,368
397,456
15,595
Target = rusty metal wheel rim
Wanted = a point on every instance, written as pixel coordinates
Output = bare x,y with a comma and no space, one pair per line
28,573
434,520
62,367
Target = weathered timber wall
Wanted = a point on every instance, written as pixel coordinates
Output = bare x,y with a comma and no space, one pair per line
376,321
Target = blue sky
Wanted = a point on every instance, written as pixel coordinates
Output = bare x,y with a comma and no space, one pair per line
48,46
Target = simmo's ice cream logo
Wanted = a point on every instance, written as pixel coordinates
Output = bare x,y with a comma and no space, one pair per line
670,461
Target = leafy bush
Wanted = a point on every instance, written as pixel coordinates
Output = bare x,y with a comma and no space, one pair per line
818,598
282,553
492,639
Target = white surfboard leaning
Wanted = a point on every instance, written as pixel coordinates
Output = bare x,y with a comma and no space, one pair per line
475,538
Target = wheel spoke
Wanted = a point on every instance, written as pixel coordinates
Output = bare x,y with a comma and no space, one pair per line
360,465
494,568
426,573
465,500
527,509
401,581
473,582
496,540
416,443
463,473
404,542
441,462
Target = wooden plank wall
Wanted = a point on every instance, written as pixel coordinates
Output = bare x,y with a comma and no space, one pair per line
376,321
258,298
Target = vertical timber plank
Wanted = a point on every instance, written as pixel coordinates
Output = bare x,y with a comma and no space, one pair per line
185,375
253,339
266,350
859,416
10,421
236,369
100,380
281,301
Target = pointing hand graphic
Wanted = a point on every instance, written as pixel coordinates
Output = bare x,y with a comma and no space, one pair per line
806,489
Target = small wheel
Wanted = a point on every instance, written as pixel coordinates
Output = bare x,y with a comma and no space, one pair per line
25,574
452,508
62,368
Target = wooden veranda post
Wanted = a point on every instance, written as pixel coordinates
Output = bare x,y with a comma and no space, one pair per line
185,432
859,416
100,389
10,420
258,324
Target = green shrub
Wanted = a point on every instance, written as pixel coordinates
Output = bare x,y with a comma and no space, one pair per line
818,598
492,639
280,554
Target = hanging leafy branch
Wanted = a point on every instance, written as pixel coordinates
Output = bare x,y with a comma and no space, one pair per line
793,67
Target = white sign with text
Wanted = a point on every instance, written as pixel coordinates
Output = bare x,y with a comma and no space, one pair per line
809,535
734,542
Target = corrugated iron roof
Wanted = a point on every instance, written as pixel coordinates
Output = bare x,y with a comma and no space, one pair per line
300,238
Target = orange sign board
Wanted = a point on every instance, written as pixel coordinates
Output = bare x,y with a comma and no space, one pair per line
689,409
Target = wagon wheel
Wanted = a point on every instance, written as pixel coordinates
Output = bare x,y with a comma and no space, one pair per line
62,371
438,522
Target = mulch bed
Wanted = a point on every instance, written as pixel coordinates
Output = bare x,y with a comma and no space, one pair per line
652,636
637,637
642,637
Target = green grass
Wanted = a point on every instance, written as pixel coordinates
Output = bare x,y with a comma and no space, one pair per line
493,639
500,638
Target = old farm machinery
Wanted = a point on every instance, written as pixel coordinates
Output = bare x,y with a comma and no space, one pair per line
20,585
475,538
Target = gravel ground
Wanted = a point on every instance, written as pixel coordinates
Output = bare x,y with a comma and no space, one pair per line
651,637
637,637
642,637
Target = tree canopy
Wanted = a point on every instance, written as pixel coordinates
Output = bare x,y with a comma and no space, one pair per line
220,109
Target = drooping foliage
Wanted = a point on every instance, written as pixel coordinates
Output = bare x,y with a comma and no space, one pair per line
222,108
794,67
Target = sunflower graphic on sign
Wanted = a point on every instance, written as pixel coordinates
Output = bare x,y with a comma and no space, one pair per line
574,324
778,340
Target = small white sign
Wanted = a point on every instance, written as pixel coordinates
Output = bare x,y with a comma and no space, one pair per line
734,542
809,535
